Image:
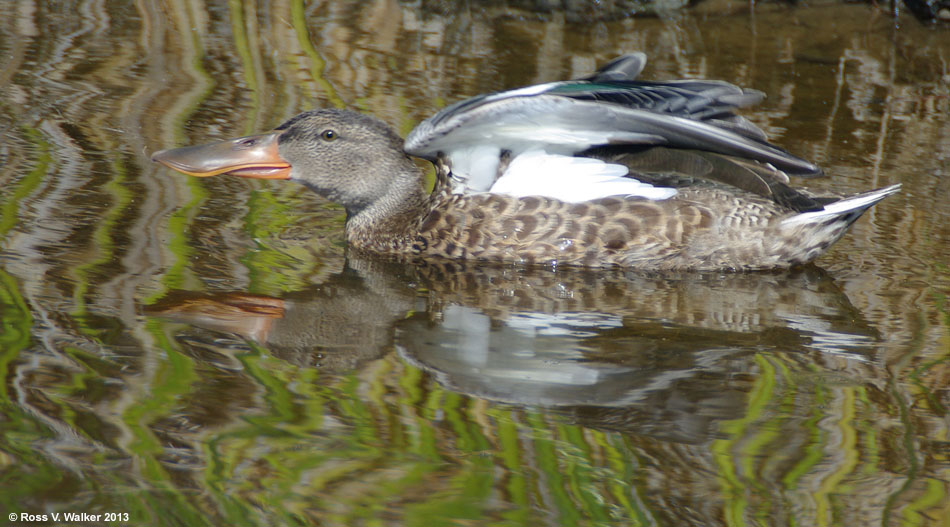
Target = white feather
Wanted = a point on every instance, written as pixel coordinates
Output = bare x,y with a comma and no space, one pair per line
527,90
838,208
571,179
475,167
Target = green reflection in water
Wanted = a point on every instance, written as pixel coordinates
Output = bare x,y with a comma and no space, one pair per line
172,379
16,323
834,483
928,494
930,504
243,45
546,455
512,459
737,452
158,396
813,448
871,449
909,437
272,270
423,432
10,206
621,476
104,245
16,319
317,65
279,439
30,475
176,275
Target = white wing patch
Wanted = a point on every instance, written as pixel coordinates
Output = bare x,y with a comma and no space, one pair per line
571,179
475,167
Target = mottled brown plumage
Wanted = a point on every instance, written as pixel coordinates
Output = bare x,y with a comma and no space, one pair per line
704,227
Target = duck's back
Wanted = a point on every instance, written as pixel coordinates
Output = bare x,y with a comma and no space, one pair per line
709,226
725,214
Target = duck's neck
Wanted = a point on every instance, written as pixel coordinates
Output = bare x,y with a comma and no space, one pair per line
390,222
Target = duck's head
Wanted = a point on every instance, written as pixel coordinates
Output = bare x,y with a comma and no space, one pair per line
347,157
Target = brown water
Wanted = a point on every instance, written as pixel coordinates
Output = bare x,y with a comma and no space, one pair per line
199,352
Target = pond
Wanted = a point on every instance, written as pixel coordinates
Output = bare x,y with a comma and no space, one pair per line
184,351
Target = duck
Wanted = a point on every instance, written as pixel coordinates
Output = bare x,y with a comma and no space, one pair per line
605,170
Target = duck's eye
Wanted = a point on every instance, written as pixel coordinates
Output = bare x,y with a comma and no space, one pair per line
328,135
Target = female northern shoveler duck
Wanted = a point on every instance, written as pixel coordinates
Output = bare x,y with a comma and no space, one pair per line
600,171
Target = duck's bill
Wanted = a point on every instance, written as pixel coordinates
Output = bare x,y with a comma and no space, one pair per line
253,156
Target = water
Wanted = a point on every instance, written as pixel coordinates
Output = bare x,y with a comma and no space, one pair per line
193,352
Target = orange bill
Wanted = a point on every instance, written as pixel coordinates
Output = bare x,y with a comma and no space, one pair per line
253,156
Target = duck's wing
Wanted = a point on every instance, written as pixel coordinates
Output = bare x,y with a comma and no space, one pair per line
566,118
572,116
664,167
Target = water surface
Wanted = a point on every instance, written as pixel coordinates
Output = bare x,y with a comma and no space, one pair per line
202,352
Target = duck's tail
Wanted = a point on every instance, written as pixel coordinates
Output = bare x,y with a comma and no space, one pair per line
842,212
806,235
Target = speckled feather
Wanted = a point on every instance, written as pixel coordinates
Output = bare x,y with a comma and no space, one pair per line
706,227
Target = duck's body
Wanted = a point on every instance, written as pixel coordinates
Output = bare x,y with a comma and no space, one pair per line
703,227
603,171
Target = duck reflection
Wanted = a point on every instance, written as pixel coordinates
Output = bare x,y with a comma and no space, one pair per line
658,354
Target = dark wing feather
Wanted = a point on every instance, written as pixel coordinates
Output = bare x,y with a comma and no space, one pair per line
677,168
